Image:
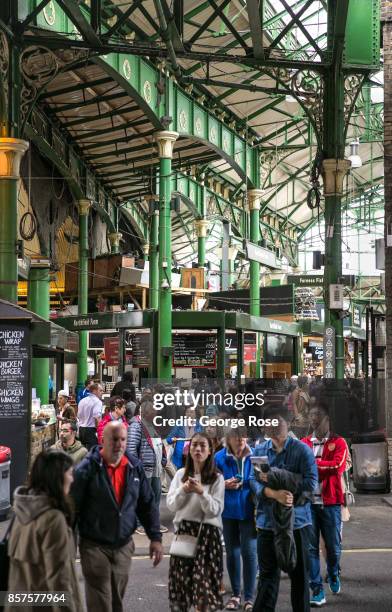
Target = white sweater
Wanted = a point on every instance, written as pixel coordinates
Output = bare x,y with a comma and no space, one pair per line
207,507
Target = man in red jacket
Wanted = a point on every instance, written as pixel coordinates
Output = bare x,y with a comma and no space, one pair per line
330,452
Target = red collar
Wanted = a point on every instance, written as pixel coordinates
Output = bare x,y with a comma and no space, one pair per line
123,461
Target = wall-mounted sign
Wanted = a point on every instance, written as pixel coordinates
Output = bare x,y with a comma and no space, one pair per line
111,348
329,352
141,350
15,418
317,280
357,319
194,351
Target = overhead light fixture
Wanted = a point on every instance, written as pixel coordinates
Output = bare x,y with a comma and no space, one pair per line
354,158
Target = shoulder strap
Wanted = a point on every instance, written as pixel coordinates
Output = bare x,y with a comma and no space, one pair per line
8,530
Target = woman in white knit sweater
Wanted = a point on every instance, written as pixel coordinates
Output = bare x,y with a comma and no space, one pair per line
196,495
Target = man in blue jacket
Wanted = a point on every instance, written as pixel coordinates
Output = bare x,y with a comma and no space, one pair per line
109,489
292,455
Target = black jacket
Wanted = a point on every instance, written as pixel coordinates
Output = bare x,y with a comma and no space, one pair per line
285,549
99,517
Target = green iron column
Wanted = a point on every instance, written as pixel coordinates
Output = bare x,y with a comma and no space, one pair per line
153,264
84,207
38,301
201,232
114,239
254,202
165,141
334,171
11,153
201,227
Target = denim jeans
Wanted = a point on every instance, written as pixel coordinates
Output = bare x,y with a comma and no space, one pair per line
240,540
327,521
268,588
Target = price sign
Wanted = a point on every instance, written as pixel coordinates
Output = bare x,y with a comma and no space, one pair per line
194,351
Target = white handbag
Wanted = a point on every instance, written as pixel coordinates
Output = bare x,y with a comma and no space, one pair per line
185,545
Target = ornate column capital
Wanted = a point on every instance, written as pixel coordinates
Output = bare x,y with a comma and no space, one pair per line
254,198
40,263
165,141
11,153
84,206
114,239
146,248
333,172
201,228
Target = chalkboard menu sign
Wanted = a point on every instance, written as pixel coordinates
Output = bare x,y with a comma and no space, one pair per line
141,350
194,351
15,395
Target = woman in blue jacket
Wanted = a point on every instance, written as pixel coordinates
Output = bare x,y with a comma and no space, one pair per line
238,517
180,437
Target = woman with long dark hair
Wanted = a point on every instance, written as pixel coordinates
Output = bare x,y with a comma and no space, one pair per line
196,496
41,545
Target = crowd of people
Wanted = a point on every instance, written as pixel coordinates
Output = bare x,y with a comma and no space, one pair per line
265,499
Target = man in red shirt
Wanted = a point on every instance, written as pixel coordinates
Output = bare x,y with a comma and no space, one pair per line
110,490
330,452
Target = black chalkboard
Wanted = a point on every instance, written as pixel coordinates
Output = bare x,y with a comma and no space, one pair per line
141,350
15,410
194,351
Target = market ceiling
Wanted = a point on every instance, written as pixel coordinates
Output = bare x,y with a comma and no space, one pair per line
243,62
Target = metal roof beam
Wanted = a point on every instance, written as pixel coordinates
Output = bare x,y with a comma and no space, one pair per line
121,20
72,9
83,103
31,16
205,25
255,14
115,128
77,87
111,113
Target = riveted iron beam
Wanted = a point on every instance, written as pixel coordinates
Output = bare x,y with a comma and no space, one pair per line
114,128
72,9
83,103
77,87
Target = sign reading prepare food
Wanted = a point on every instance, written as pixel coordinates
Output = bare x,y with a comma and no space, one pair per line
194,351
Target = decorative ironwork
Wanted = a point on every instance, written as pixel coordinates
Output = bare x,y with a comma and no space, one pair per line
198,126
183,120
50,13
308,87
147,92
352,86
127,70
4,62
38,67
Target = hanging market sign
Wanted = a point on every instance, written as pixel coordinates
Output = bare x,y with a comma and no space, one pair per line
329,346
317,280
